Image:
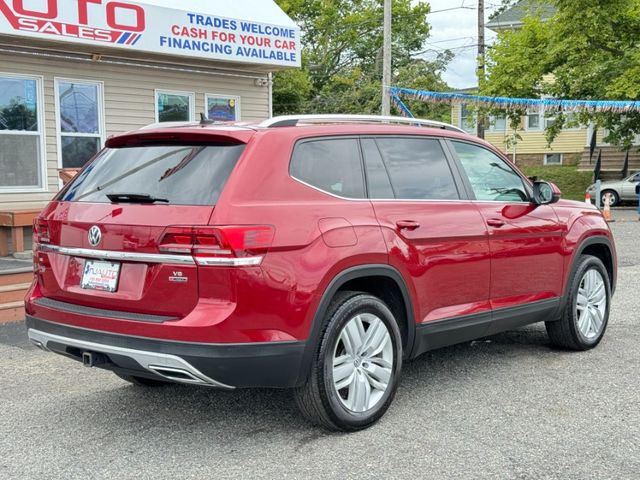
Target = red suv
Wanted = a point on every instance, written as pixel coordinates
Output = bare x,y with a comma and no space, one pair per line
315,253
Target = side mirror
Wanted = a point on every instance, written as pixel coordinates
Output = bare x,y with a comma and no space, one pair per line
545,193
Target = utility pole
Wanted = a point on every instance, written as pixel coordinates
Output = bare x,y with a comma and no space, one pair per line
386,61
481,56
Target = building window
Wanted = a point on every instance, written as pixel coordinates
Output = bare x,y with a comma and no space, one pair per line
498,123
553,159
570,120
174,106
21,133
80,121
222,108
467,119
533,120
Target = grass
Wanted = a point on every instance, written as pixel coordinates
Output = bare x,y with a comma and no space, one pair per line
572,182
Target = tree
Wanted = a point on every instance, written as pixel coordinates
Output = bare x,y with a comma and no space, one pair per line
342,55
504,6
587,50
17,116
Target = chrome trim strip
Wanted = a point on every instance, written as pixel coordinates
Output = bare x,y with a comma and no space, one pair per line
120,256
148,360
229,262
152,257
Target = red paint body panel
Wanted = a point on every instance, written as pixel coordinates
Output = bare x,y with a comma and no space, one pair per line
526,252
582,222
446,259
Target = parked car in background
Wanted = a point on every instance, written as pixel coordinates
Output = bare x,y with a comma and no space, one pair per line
619,191
313,253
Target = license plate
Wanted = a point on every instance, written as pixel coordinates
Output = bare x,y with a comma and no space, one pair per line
101,276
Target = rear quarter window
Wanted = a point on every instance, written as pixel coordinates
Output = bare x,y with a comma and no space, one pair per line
331,165
181,174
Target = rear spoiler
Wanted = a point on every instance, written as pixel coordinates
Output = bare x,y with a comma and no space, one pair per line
191,136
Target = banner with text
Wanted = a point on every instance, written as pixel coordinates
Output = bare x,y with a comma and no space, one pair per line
147,28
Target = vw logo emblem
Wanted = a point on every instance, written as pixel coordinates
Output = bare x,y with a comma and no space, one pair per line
95,236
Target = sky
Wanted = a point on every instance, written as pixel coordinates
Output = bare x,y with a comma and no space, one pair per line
457,30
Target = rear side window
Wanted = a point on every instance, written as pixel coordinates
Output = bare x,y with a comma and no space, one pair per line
181,174
418,169
332,165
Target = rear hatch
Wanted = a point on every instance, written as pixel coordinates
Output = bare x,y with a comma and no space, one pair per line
116,238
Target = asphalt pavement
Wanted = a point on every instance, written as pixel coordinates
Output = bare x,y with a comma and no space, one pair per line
506,407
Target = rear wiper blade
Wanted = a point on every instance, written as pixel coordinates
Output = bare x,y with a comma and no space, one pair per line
134,198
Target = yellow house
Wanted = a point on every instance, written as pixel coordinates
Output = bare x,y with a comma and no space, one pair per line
528,144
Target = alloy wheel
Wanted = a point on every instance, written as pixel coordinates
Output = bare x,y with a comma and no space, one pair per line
591,304
362,362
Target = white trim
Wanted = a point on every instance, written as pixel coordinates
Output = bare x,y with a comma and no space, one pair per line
553,153
42,133
101,135
226,97
192,102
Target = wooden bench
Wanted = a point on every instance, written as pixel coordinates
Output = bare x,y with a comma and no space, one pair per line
13,222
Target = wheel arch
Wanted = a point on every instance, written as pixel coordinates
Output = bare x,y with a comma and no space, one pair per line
356,278
600,247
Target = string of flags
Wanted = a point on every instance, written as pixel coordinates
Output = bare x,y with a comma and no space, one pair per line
509,103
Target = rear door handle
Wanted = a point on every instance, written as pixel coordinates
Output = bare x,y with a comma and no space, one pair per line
495,222
407,225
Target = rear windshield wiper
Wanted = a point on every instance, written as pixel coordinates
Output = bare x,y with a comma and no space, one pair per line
134,198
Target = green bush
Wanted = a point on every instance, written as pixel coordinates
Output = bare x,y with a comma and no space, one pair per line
572,182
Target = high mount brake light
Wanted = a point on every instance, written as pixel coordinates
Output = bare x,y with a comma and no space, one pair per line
224,245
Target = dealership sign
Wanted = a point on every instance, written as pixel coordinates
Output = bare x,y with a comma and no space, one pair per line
148,28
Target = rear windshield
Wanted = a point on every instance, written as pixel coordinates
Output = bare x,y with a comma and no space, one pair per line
181,175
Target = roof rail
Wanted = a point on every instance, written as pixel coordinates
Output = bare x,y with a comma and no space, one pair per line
294,120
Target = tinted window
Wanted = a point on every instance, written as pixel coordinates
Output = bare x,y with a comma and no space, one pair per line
418,169
184,175
330,165
491,177
377,176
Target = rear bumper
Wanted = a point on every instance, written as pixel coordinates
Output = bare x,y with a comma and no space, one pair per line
227,366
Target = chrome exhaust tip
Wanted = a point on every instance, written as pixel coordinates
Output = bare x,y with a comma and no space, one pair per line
177,374
39,344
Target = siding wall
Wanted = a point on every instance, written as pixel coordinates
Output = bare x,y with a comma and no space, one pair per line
129,102
568,142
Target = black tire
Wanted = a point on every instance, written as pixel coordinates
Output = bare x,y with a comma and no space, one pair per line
318,399
142,381
565,332
615,198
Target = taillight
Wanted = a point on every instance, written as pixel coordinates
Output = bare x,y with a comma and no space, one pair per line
41,231
225,245
40,235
